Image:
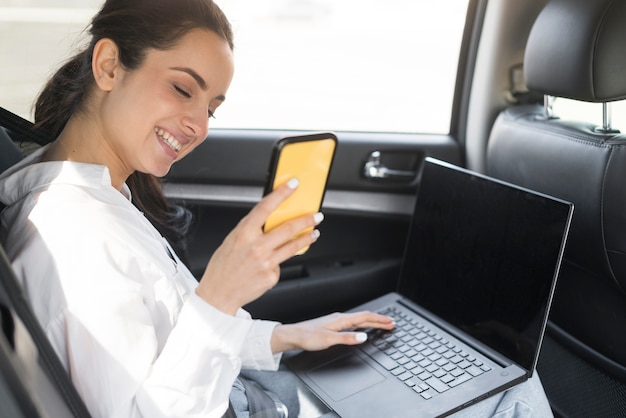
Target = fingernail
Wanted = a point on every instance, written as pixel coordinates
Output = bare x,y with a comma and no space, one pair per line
361,337
315,234
293,183
318,217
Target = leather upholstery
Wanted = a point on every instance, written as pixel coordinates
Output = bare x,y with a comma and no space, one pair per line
571,161
577,49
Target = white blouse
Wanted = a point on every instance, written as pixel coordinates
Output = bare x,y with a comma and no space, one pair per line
118,306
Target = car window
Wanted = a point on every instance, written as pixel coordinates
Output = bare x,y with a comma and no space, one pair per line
568,109
356,65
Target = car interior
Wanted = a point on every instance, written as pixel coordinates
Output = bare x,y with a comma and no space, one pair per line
515,59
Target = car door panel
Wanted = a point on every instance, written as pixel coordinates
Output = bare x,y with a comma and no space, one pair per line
362,237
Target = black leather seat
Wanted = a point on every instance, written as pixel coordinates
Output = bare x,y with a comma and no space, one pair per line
577,49
33,381
9,152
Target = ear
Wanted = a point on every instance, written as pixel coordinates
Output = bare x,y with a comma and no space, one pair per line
105,63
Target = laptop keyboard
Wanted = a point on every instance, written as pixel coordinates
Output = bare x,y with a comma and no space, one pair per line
421,358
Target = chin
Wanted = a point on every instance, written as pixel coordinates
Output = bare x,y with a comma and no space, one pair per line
159,171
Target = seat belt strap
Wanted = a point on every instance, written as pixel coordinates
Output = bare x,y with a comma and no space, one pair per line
21,129
48,359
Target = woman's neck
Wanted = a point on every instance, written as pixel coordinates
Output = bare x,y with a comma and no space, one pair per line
82,141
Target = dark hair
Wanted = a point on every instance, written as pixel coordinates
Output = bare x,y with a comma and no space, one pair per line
135,26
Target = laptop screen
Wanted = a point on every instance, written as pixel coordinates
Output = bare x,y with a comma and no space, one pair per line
483,255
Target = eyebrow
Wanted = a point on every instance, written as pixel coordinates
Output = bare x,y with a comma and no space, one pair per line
192,73
198,78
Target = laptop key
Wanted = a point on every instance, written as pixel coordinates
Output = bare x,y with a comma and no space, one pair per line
427,395
436,384
447,379
464,364
424,376
461,379
383,360
380,357
405,376
452,365
474,371
398,371
449,367
403,360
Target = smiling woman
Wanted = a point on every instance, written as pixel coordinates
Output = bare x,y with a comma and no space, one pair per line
95,244
152,116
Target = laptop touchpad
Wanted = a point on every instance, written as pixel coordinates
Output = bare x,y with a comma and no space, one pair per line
355,375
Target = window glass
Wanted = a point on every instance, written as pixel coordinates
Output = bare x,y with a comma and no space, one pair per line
590,112
359,65
36,36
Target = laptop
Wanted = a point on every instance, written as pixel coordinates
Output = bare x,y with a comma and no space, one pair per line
476,283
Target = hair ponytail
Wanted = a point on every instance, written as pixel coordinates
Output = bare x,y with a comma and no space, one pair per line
63,95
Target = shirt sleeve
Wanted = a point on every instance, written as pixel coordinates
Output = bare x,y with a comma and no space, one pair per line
120,370
136,344
257,351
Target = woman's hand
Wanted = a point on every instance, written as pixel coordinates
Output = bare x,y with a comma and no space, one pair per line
323,332
246,265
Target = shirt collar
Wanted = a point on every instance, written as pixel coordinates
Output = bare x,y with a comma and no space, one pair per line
31,174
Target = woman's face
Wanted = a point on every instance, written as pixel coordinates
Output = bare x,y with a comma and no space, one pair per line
158,113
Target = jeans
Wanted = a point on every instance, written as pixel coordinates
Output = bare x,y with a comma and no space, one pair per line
527,399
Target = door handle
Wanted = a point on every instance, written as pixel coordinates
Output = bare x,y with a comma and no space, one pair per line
374,169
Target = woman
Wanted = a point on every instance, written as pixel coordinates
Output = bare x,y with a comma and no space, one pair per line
95,244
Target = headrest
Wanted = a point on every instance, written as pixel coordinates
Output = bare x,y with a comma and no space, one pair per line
577,49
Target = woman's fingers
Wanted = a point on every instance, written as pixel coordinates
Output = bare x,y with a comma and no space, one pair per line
286,240
247,263
291,237
361,320
270,203
356,321
326,331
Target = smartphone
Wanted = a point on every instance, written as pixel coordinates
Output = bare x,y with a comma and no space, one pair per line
309,158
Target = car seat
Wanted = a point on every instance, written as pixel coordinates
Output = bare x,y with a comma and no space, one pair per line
33,382
577,49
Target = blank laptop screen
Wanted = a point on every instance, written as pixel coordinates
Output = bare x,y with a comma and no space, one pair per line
483,255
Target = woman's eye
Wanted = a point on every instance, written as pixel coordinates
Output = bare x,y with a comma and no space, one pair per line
211,114
182,92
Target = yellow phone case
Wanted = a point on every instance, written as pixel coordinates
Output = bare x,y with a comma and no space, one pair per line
309,159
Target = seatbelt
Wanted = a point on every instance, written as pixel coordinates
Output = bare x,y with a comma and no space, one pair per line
16,395
48,359
21,129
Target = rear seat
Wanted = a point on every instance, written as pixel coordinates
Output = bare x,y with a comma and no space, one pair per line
576,50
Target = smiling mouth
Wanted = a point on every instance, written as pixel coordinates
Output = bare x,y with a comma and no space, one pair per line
168,139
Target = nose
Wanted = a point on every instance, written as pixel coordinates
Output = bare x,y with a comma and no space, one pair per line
196,123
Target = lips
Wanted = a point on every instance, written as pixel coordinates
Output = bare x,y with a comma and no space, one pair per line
168,139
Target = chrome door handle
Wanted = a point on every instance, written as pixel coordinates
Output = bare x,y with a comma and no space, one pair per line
374,169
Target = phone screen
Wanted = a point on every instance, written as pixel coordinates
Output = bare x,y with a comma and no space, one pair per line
309,159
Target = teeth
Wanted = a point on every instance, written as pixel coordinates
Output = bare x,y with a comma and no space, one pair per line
168,139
